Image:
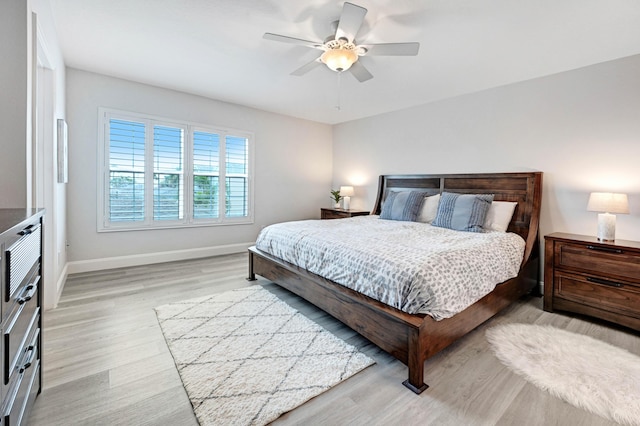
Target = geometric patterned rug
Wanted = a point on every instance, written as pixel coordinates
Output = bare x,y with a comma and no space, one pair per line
245,357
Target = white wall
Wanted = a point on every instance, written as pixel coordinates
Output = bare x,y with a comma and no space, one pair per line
581,128
15,101
292,169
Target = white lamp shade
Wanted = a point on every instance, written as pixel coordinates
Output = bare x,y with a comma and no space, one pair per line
346,191
608,202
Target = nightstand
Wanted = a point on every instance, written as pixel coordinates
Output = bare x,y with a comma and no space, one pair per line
590,277
341,213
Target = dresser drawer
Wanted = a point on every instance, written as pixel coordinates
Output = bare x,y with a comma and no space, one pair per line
614,261
601,293
25,387
26,291
16,335
21,257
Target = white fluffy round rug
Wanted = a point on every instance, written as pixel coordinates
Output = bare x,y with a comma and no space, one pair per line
583,371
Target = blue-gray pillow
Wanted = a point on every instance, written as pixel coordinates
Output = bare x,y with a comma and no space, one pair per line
403,205
463,212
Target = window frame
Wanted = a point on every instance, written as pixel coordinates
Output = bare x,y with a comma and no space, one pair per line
104,224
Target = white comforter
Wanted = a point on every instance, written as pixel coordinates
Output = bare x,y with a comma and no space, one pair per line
415,267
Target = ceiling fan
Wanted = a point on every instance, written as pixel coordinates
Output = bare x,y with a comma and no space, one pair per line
341,52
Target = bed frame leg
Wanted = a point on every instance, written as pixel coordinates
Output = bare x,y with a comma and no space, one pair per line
414,389
415,382
252,275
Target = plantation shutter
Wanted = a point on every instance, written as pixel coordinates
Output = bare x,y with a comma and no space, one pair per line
236,202
206,175
126,171
168,166
164,173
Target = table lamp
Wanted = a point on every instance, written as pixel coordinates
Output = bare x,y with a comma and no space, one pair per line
607,203
346,192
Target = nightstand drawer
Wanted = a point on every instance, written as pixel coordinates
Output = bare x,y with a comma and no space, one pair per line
334,214
602,293
341,213
586,257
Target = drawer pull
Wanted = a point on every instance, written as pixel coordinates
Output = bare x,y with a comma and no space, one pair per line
30,290
605,282
605,249
29,361
26,231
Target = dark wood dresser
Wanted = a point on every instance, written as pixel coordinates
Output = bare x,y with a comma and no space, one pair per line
341,213
21,234
590,277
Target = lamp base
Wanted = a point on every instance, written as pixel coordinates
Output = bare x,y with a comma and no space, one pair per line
606,227
346,201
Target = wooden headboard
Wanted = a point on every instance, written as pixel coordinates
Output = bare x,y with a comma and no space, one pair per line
525,188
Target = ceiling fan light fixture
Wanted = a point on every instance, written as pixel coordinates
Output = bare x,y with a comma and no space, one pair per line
339,59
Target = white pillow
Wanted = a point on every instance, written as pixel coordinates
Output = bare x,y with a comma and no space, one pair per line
429,209
499,216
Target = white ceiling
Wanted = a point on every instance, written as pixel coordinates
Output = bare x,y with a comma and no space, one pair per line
214,48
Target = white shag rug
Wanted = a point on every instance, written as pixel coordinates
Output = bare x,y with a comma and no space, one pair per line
581,370
245,357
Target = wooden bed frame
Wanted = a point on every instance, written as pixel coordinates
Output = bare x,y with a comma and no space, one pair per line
414,338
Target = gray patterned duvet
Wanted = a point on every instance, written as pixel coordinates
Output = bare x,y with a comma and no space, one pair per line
415,267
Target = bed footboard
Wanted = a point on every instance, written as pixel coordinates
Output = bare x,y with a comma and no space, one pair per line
411,339
394,331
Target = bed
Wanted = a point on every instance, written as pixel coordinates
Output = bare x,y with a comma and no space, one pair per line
413,338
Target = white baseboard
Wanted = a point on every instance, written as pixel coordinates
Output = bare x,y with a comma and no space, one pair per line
62,279
150,258
48,303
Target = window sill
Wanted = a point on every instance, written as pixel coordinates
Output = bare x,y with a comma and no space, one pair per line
155,227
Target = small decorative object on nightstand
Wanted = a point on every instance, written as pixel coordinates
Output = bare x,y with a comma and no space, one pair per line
341,213
336,197
587,276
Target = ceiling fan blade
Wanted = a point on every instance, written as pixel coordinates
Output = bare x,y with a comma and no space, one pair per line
360,72
292,40
392,49
350,21
307,67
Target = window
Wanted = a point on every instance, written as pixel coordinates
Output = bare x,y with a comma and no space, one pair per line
158,173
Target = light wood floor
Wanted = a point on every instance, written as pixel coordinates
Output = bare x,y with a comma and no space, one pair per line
106,361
